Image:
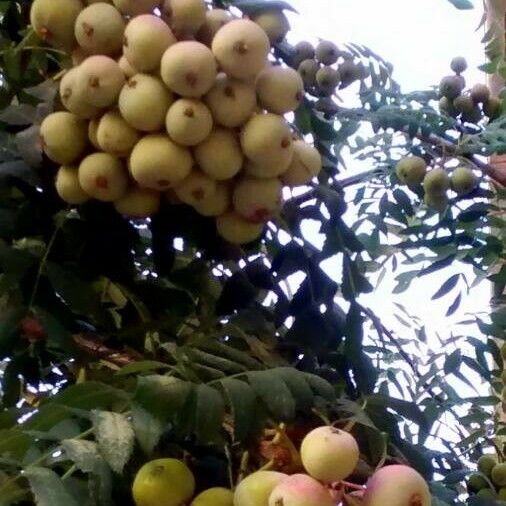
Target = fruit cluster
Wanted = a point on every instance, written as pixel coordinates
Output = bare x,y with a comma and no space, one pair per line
413,171
490,480
329,456
169,99
469,106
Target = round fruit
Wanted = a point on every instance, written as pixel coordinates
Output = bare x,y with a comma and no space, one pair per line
92,132
72,96
158,163
446,106
100,80
64,137
274,23
103,177
463,180
502,494
480,93
185,17
136,7
327,52
464,104
115,135
472,116
236,230
498,475
126,67
144,102
217,203
163,482
68,187
241,48
214,497
487,493
147,37
266,140
397,485
306,164
258,200
308,70
262,171
327,80
476,482
189,122
280,89
300,490
99,29
302,51
411,170
458,64
450,87
195,188
437,202
492,108
436,182
256,488
231,102
54,20
220,155
138,203
349,73
329,454
189,69
215,19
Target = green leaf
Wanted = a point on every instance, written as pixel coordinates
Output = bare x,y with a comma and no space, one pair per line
447,287
274,393
453,362
115,437
462,4
454,306
147,427
48,488
241,398
298,385
251,6
141,367
321,387
209,414
14,444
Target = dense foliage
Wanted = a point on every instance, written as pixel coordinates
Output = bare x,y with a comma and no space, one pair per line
129,340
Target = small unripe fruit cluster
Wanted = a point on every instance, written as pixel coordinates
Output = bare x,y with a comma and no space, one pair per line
468,106
490,480
325,67
181,100
413,171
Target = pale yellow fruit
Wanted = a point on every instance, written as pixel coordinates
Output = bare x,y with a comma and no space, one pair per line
274,23
115,135
241,48
300,490
103,177
136,7
280,89
266,140
64,137
397,485
100,80
189,69
232,102
72,96
235,229
158,163
258,200
68,187
256,488
54,20
126,67
90,2
138,203
195,188
92,132
216,203
329,454
306,164
220,155
463,181
78,55
99,29
308,70
214,497
163,482
146,39
411,170
436,182
189,122
263,171
215,19
185,17
144,102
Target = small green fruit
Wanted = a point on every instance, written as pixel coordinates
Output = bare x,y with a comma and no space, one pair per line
349,73
473,116
486,464
480,93
498,475
463,181
308,70
214,497
327,52
327,79
302,51
436,182
437,202
476,482
487,493
451,87
458,64
274,23
502,494
411,170
493,108
464,104
446,106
